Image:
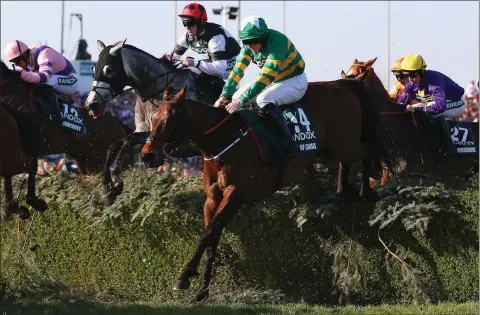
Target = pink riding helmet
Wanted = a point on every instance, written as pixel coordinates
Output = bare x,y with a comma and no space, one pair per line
15,49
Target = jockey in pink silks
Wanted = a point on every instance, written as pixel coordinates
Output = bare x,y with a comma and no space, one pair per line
43,64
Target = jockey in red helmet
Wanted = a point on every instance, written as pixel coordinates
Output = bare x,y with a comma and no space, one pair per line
211,40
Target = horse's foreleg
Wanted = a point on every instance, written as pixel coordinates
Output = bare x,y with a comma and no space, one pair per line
32,199
210,237
366,192
12,206
210,255
109,193
344,188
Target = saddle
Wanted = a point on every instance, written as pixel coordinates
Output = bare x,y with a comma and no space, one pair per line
449,137
45,98
58,108
267,133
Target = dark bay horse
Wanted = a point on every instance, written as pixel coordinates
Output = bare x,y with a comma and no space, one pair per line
410,133
235,174
122,65
92,147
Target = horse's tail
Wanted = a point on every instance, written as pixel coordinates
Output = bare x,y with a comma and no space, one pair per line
374,132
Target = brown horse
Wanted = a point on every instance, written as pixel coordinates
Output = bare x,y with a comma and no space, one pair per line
410,133
234,172
93,148
363,71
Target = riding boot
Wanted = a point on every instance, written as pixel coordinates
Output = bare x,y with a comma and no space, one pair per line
277,115
56,115
49,103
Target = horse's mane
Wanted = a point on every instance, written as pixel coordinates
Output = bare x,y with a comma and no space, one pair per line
371,72
141,51
159,60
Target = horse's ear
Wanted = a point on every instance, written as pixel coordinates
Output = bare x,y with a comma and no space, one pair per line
167,92
355,61
100,46
116,49
370,62
344,76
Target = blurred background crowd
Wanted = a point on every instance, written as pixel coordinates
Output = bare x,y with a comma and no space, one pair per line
122,107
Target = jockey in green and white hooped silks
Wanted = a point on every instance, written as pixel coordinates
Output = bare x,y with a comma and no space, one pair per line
282,79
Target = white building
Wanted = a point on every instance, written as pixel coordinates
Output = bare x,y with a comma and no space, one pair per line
84,70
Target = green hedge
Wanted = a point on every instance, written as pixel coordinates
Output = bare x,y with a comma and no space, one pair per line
301,244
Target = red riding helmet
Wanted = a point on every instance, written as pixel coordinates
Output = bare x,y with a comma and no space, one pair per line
194,10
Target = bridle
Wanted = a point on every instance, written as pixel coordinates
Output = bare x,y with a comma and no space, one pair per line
353,76
98,85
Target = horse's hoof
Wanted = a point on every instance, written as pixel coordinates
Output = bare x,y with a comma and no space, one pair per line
15,208
37,204
370,196
23,213
109,198
347,194
181,284
118,187
202,295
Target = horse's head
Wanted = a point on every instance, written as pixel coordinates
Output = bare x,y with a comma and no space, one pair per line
109,78
167,128
358,70
11,83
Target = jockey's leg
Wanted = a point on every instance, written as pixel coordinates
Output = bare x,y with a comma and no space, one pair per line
455,109
64,85
50,106
285,92
277,115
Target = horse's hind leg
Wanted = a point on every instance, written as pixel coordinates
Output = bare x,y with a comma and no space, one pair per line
116,168
32,199
344,188
366,192
12,206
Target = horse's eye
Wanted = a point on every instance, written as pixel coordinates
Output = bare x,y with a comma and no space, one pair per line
108,71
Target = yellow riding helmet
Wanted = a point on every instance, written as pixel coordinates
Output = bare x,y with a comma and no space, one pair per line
397,66
413,62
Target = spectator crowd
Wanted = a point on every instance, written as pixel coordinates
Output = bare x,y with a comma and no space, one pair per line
471,99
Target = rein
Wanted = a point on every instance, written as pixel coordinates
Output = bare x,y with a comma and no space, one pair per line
106,86
5,80
212,129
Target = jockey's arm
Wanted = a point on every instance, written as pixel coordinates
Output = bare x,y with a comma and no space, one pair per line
45,69
407,95
181,47
268,74
216,67
439,104
241,63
